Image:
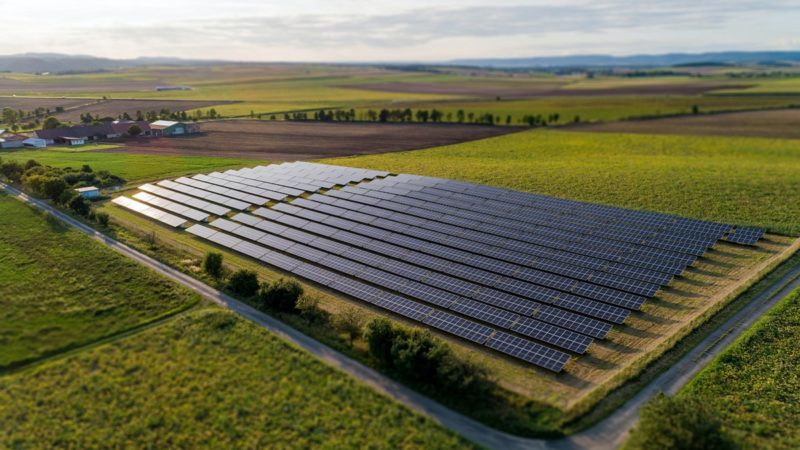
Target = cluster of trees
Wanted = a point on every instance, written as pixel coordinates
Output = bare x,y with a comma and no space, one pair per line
16,118
59,184
417,356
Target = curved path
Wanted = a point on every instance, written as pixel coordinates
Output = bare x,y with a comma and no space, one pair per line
607,434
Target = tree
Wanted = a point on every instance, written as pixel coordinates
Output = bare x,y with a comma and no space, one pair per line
243,283
308,306
134,130
80,205
281,295
695,109
53,187
678,423
212,264
12,171
50,123
380,336
10,116
351,322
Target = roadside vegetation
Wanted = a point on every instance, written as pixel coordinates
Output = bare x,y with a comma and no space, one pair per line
60,290
746,181
752,388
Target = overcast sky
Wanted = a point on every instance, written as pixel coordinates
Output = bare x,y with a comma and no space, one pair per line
378,30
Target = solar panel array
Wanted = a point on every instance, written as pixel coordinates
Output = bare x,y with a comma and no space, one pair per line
533,277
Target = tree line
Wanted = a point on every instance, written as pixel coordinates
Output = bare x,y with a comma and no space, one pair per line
408,115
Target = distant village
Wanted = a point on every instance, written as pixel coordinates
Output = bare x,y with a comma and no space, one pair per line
83,134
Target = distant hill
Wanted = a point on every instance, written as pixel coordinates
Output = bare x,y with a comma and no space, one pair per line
61,63
668,59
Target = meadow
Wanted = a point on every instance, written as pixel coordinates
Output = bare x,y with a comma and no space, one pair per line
207,379
60,290
745,181
133,168
753,386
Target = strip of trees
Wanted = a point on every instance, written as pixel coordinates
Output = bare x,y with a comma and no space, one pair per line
409,115
59,184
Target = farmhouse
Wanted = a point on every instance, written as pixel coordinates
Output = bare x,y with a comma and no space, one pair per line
108,130
74,140
12,140
170,128
88,192
35,143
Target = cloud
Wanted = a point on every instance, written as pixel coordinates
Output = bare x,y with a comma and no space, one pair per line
540,26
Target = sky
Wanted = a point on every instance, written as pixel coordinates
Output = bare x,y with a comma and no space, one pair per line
379,30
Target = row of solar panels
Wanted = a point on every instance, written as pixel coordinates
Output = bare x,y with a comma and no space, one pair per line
450,323
442,244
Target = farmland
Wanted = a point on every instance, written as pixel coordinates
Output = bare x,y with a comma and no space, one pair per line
186,381
279,140
748,181
133,168
769,124
59,290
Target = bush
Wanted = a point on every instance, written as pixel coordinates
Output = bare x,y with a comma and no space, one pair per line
212,264
12,171
351,322
677,423
281,295
102,218
309,309
65,197
380,336
243,283
53,187
418,356
80,205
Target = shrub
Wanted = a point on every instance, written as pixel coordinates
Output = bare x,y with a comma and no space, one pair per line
212,264
102,218
79,205
380,335
12,171
309,309
65,197
350,321
670,423
281,295
243,283
53,187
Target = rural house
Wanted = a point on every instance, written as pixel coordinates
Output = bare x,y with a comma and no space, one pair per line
170,128
12,140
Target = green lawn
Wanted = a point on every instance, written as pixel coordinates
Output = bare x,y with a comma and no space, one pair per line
748,181
754,387
207,379
131,167
59,289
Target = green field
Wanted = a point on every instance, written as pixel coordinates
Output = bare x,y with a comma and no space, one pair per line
58,289
600,109
207,379
747,181
128,166
753,387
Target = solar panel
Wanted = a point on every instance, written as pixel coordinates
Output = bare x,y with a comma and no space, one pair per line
153,213
528,351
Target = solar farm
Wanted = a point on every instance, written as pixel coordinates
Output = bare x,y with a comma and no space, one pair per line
535,278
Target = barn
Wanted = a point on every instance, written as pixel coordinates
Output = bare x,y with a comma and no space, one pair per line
8,140
171,128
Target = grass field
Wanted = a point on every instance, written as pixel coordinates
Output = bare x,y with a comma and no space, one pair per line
58,289
207,379
132,168
591,109
747,181
780,123
752,388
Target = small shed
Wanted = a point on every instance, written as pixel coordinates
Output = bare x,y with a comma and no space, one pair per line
89,192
